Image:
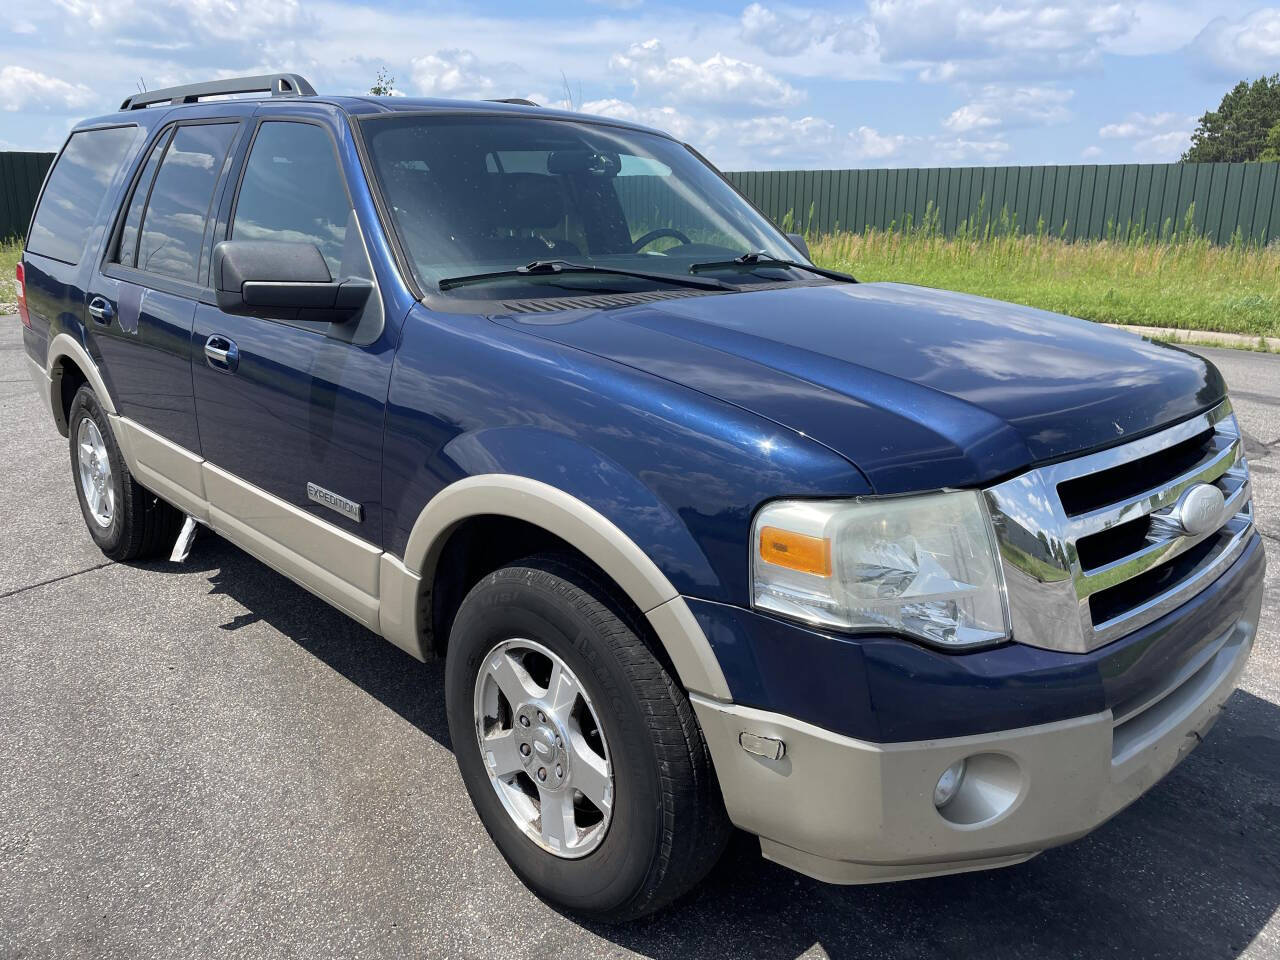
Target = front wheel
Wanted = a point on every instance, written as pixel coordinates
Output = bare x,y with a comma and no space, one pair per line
580,752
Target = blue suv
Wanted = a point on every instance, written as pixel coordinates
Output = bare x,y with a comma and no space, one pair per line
900,581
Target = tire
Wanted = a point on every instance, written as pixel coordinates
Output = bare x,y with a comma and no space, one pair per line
666,826
124,520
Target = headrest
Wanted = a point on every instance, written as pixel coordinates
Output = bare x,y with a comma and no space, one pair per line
525,200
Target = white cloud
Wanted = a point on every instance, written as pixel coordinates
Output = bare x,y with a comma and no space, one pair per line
171,23
870,144
1232,47
1154,136
944,152
995,38
667,119
1137,125
717,79
450,73
1091,152
772,140
870,147
1005,106
788,33
1166,146
783,34
29,91
780,131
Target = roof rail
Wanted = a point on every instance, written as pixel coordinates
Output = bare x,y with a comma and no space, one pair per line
518,100
277,84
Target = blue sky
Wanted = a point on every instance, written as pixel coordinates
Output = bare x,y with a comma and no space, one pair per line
753,85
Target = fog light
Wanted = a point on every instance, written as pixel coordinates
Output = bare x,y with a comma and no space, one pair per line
949,784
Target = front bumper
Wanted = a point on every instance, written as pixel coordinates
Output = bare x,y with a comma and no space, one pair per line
846,810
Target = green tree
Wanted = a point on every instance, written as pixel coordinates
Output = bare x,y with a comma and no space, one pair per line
384,85
1272,149
1237,131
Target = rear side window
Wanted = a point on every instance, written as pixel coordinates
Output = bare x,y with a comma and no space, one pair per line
77,191
293,190
128,250
173,224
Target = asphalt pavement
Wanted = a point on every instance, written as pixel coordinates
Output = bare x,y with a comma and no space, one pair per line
202,760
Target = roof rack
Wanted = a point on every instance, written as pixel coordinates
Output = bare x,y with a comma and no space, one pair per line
518,100
277,84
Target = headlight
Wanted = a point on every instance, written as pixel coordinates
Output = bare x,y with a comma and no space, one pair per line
924,566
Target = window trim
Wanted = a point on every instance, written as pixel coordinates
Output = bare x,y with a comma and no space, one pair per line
35,210
193,289
248,154
117,236
258,121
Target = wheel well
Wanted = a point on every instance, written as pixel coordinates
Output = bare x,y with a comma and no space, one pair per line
69,377
480,545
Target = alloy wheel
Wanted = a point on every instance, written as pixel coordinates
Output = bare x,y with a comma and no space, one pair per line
544,748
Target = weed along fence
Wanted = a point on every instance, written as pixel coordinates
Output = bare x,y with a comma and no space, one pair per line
1223,202
20,177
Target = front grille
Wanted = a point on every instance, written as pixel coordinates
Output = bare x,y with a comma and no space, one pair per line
1095,548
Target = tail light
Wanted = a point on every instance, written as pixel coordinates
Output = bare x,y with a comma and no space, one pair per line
21,285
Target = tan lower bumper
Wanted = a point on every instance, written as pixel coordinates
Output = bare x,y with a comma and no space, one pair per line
848,811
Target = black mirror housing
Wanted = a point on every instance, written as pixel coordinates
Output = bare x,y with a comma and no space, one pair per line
279,279
798,241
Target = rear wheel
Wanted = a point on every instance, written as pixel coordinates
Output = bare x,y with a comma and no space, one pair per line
125,521
579,750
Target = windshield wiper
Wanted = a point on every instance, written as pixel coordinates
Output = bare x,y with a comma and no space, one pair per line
752,260
540,268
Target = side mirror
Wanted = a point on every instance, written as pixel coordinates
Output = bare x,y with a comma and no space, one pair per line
798,241
283,280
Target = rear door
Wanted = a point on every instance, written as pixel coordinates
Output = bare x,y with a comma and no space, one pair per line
290,413
141,304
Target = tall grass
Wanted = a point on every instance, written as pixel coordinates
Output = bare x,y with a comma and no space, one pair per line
10,251
1171,277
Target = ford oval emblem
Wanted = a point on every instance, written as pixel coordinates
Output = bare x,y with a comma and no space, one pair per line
1200,509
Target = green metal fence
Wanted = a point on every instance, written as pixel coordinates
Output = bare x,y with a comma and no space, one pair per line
20,177
1221,201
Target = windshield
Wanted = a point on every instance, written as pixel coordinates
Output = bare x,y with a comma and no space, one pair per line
481,195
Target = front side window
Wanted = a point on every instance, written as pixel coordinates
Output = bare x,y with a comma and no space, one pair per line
76,191
293,190
177,212
471,195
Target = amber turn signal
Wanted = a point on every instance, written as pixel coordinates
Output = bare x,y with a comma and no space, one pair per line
796,551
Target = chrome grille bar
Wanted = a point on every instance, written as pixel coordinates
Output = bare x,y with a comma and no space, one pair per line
1208,470
1051,592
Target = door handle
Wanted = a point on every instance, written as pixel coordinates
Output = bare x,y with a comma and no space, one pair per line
101,310
221,354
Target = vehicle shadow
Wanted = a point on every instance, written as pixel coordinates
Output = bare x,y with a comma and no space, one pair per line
1190,870
412,689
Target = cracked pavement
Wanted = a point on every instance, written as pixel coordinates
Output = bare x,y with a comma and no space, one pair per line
201,760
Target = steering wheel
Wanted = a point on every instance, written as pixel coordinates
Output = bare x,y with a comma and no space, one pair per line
658,234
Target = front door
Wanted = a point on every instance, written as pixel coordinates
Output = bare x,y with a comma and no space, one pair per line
290,413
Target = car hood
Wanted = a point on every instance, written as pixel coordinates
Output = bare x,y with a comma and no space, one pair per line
919,388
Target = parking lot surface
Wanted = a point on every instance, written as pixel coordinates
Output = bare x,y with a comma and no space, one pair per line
202,760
